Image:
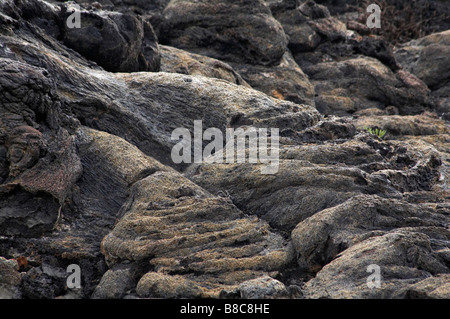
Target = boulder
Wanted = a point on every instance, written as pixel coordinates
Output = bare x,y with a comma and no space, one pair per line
174,60
285,80
345,87
233,31
43,14
396,125
132,109
196,244
436,287
87,175
117,42
313,176
10,279
319,239
427,58
262,288
46,281
403,258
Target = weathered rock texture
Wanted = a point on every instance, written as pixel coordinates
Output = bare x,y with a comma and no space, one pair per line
239,31
174,60
9,279
117,42
87,177
428,59
285,81
376,87
204,242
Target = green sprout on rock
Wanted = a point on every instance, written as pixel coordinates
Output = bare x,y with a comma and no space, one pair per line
376,131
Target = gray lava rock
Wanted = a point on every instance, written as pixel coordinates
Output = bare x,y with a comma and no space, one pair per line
262,288
117,42
285,80
87,177
234,31
359,83
174,60
428,59
10,279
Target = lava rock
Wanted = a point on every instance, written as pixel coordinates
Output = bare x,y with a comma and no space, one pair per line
174,60
10,279
233,31
285,80
117,42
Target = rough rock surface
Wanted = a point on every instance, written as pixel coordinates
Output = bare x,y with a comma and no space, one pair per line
261,288
377,87
285,80
434,15
429,58
313,177
238,31
9,279
174,60
87,177
172,226
117,42
40,164
320,238
406,259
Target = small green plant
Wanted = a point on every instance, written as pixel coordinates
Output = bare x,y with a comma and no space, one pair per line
375,131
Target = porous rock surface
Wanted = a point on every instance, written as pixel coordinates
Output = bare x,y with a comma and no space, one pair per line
87,176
